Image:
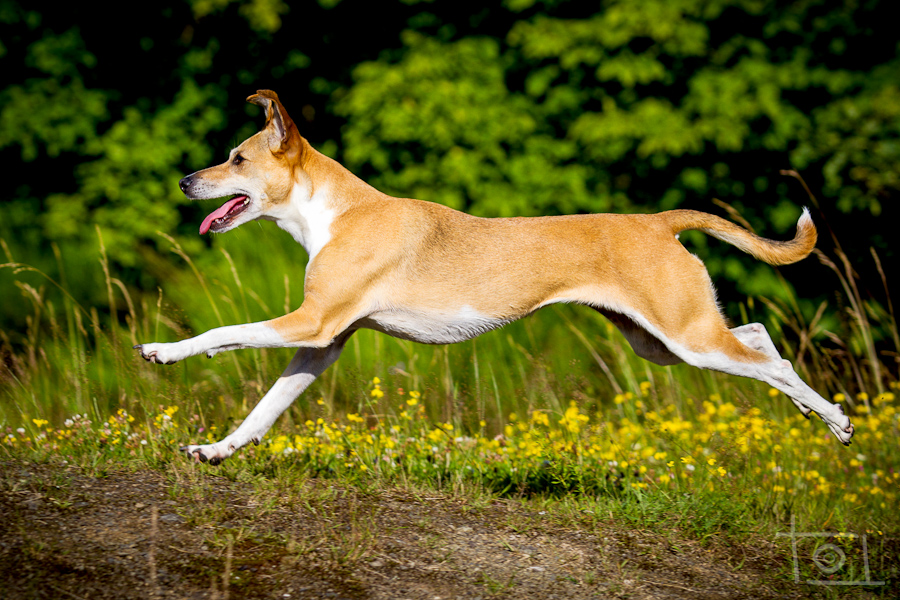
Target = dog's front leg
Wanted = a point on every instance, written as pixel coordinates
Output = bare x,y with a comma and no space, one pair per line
307,364
231,337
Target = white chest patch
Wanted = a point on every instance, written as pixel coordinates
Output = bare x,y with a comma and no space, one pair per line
308,219
432,326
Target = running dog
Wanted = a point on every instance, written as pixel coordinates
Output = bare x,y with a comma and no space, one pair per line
424,272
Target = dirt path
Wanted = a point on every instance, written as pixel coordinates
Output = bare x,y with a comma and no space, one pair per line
64,534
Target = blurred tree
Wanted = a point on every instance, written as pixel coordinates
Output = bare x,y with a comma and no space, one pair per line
643,105
101,122
86,157
529,107
441,124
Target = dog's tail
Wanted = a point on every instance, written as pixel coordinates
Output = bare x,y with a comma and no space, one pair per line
770,251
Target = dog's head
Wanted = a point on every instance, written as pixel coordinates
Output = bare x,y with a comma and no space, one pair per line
258,176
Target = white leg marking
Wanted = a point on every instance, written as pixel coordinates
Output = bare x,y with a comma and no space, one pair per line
779,374
307,364
755,336
776,372
231,337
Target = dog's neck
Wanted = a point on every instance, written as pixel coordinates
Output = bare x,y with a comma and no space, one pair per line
322,191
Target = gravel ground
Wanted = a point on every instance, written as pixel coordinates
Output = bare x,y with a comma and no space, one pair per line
188,533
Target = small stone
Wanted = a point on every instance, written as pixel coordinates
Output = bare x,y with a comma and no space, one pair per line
171,518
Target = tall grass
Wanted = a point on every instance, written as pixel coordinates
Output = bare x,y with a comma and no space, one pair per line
74,359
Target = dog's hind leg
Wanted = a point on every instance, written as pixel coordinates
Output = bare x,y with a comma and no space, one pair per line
756,337
307,364
725,352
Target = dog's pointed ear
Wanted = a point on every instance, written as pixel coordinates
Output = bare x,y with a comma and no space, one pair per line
282,131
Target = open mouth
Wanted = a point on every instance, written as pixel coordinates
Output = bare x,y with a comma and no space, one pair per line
225,214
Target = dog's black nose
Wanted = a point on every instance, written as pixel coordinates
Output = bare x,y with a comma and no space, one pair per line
185,183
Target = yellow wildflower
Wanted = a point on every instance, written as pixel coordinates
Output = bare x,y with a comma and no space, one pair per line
540,417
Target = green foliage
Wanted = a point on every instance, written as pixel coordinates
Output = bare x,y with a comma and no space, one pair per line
441,125
54,113
261,15
529,108
130,189
857,138
637,106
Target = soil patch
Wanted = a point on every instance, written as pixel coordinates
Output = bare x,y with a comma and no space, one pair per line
65,534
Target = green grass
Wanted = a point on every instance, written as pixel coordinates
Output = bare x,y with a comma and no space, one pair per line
555,411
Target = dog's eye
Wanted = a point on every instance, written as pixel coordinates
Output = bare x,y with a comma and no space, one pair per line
238,159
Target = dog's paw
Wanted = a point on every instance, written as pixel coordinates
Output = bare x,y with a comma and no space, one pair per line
163,354
840,425
214,454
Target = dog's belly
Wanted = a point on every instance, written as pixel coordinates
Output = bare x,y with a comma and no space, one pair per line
432,326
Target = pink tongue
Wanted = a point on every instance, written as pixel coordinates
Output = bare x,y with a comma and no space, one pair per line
219,213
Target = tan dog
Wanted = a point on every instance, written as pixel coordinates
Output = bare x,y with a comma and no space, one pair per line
424,272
